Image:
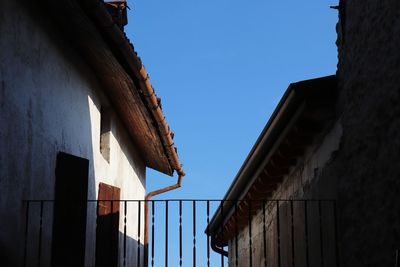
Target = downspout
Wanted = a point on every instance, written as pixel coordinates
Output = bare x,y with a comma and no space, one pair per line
118,39
217,249
146,212
166,136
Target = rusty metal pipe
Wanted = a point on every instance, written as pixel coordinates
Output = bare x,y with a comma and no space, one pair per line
217,249
146,213
134,63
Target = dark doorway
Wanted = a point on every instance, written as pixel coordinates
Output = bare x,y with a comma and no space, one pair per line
69,226
107,232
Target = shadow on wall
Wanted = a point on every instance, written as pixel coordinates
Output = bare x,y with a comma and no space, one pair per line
112,247
43,112
288,233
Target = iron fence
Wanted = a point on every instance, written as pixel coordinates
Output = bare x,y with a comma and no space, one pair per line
276,233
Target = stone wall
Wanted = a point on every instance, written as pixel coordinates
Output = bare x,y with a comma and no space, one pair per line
367,165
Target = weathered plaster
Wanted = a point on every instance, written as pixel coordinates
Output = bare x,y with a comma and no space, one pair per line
50,102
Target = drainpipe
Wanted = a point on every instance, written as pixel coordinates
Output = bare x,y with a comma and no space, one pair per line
167,137
217,249
146,212
133,63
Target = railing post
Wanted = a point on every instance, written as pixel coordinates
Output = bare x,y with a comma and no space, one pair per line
40,234
264,234
152,232
321,233
208,237
278,233
194,233
26,232
222,230
306,232
236,237
166,233
146,234
139,222
336,233
125,212
180,233
250,236
292,231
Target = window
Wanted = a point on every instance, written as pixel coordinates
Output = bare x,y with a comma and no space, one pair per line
105,129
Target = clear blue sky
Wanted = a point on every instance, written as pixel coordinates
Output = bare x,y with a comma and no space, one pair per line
220,68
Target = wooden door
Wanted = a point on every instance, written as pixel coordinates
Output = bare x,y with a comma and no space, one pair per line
69,225
107,231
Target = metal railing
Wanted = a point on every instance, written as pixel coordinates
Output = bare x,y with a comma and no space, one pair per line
277,233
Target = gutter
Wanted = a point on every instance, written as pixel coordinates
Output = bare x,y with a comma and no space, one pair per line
217,249
251,164
146,213
163,127
167,135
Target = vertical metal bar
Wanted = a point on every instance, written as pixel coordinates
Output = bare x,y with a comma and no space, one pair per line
180,233
292,231
152,232
26,231
222,230
320,233
336,234
236,236
40,234
111,232
278,233
397,264
194,233
306,232
250,237
125,212
111,237
264,235
97,214
166,233
139,223
208,237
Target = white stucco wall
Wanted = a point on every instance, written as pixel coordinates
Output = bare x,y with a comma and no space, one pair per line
296,185
50,101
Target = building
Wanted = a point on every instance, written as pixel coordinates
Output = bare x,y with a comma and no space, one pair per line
80,122
298,141
325,193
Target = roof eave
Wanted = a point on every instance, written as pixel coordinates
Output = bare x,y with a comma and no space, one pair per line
290,104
